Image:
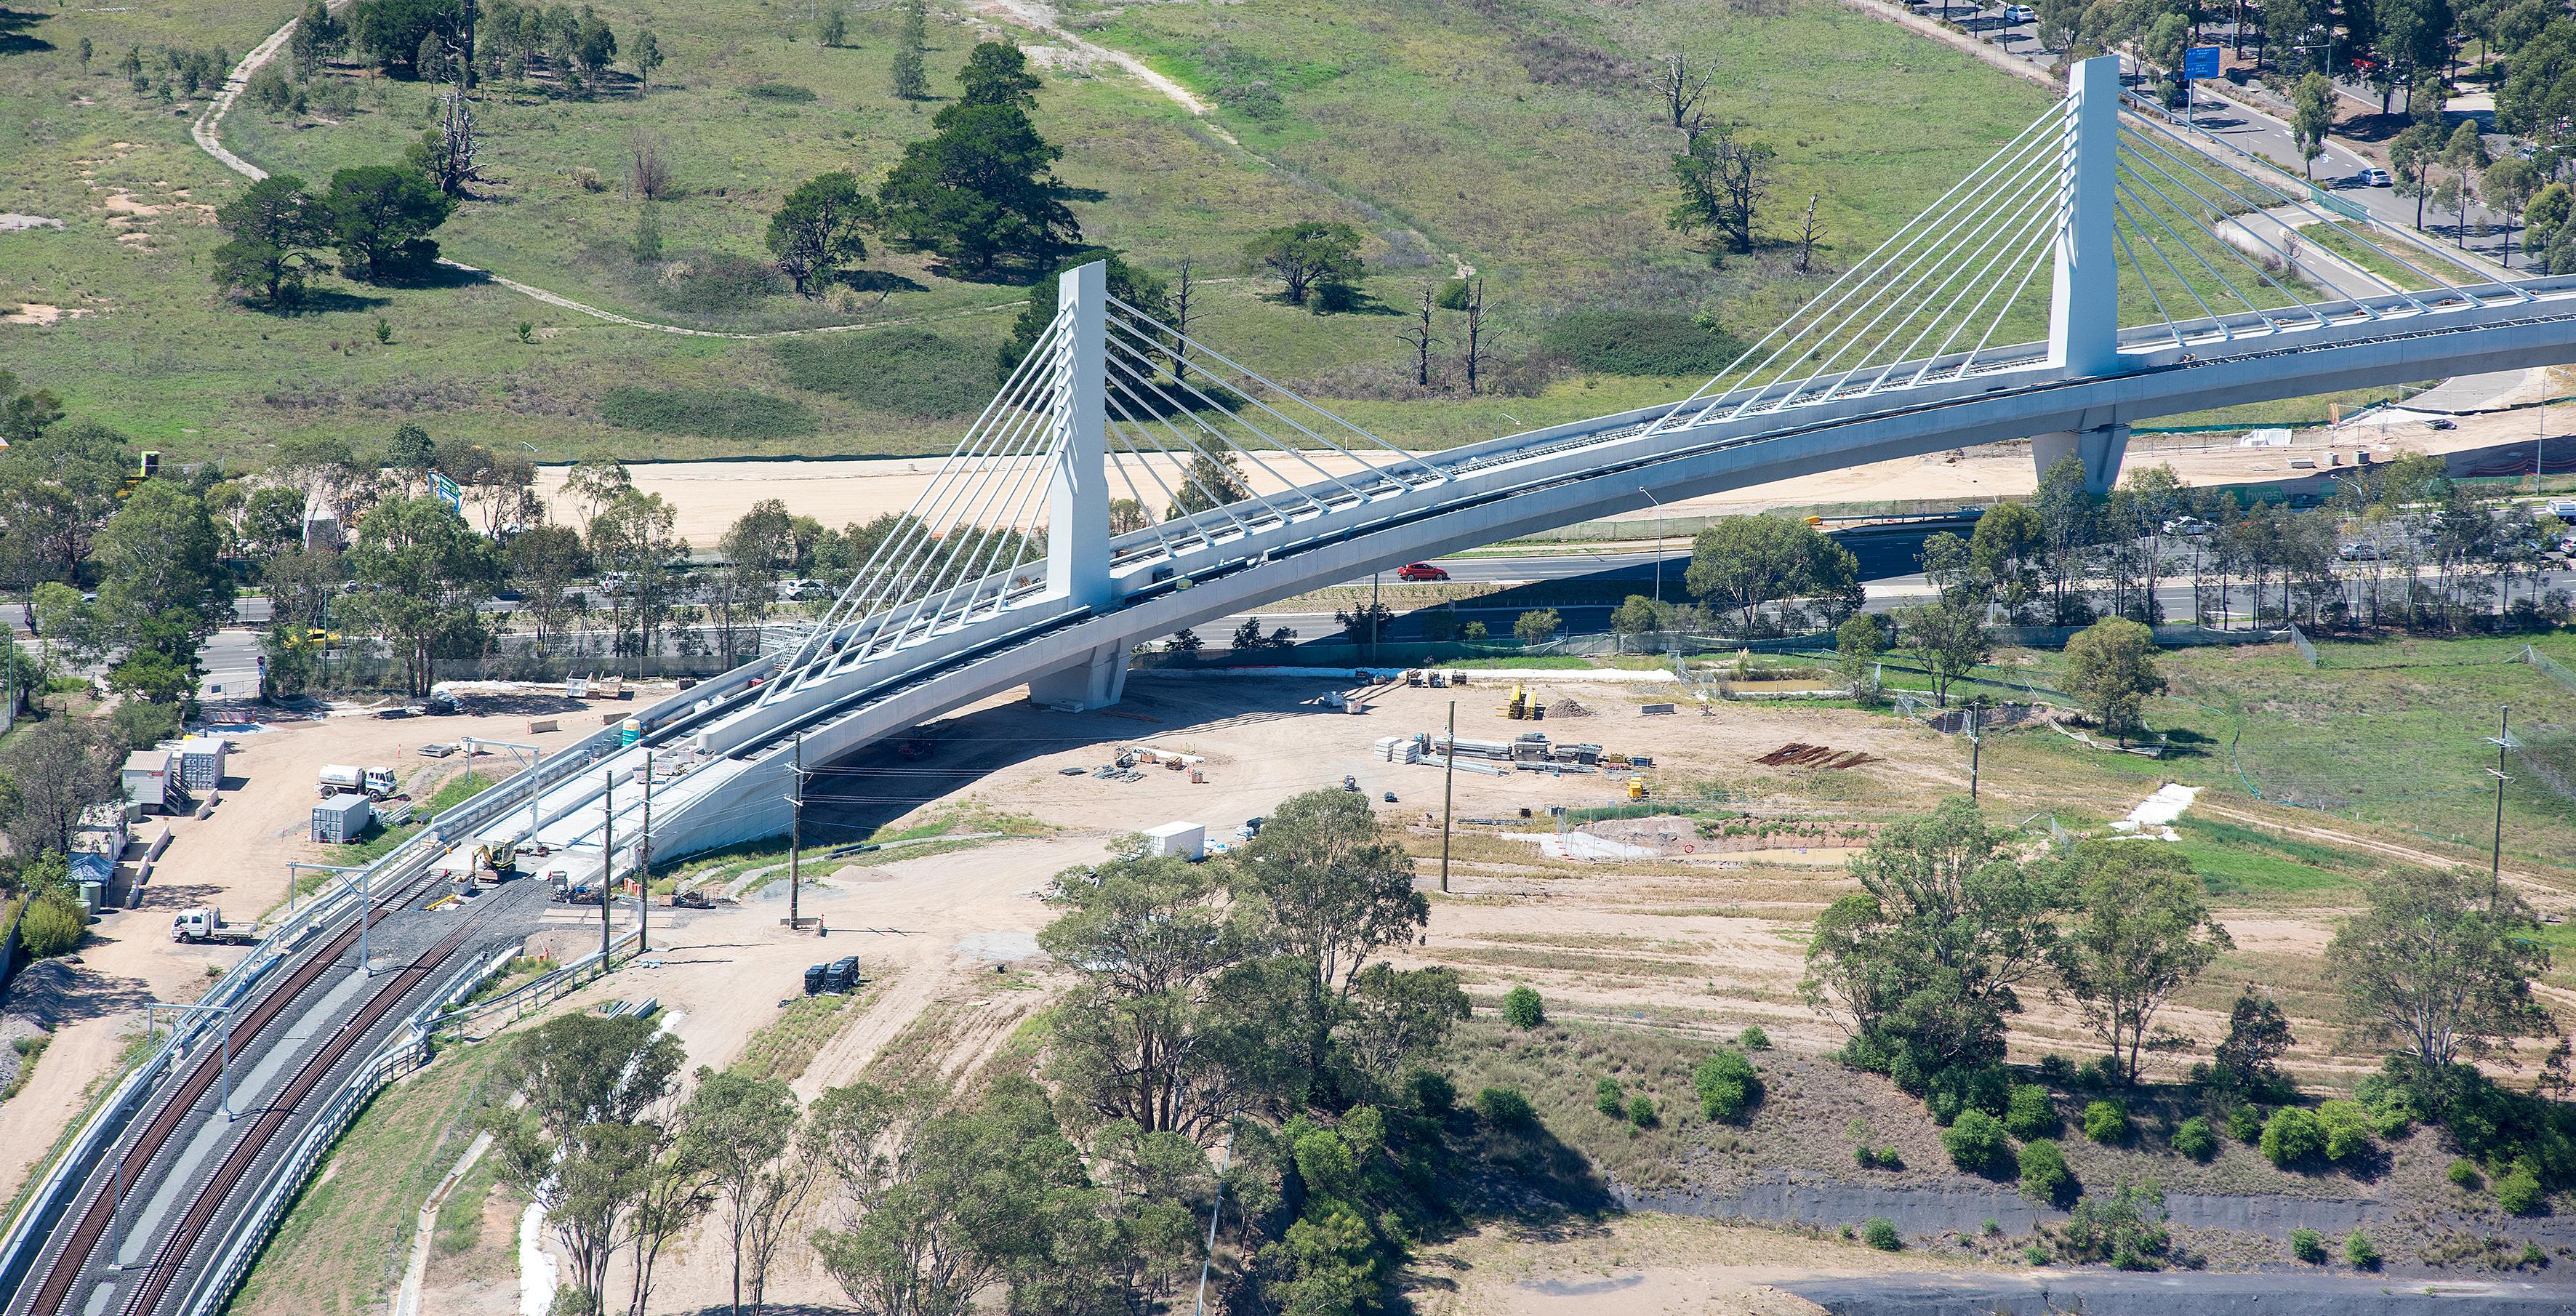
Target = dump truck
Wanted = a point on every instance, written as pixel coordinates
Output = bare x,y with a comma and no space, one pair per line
340,778
206,923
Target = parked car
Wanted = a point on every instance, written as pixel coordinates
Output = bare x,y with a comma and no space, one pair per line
2563,508
2358,551
1420,571
2376,177
2441,423
2018,14
2187,525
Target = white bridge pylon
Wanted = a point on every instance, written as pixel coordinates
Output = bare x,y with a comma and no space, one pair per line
1128,480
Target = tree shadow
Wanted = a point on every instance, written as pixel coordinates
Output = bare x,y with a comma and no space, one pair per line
877,281
15,39
318,301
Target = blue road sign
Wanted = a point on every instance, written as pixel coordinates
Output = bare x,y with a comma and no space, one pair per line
2200,62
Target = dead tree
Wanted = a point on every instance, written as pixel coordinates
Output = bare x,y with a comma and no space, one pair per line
1418,335
1681,93
1808,232
1183,286
451,150
1474,359
648,174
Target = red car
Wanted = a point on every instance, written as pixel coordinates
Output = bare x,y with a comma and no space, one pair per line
1420,571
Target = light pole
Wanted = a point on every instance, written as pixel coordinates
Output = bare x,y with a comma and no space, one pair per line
366,897
644,863
224,1074
1448,792
607,857
795,831
1659,542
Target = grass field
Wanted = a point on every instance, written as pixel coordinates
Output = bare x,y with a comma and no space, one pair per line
1520,140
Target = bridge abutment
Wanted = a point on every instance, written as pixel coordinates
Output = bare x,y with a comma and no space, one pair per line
2100,449
1098,681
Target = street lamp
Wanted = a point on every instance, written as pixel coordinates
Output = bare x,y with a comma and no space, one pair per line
1649,496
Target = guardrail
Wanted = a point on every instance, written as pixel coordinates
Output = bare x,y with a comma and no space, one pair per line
76,1152
529,996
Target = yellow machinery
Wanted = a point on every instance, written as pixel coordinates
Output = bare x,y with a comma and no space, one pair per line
1518,708
502,859
1636,788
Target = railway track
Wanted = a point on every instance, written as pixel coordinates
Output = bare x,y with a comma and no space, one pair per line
95,1220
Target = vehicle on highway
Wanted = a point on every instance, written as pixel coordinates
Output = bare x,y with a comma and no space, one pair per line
2377,178
2563,508
801,591
1420,571
2187,525
2358,551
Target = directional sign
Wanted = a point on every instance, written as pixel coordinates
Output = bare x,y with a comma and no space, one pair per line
2200,62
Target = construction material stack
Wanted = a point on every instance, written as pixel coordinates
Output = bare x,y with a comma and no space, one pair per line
1398,749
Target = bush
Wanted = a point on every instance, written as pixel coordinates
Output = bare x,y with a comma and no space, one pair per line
786,92
2533,1257
1609,1100
1880,1232
51,925
1522,1009
715,413
1642,1113
1889,1158
2464,1174
2044,1176
2292,1137
1505,1108
2245,1124
2519,1191
2106,1122
2126,1229
910,372
2029,1112
2360,1251
2308,1246
1728,1086
2196,1139
717,283
1639,343
2055,1069
1753,1038
1432,1091
1975,1141
2347,1130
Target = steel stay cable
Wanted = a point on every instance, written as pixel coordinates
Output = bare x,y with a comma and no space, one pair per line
1146,380
1437,475
2038,249
2146,282
2226,332
2137,206
1867,267
2141,180
1197,448
1144,506
1145,460
2289,261
1006,494
2015,234
2295,200
1939,229
1217,502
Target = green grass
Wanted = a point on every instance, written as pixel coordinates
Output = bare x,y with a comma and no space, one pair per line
2248,861
717,413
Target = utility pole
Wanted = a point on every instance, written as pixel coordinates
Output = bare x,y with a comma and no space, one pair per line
1448,792
644,865
795,831
607,856
1976,748
2495,858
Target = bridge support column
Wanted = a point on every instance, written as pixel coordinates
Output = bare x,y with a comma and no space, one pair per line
2101,450
1078,499
2084,298
1098,681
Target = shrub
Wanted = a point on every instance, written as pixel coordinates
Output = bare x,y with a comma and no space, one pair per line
2054,1068
2044,1176
786,92
2245,1124
2126,1229
2292,1137
1609,1100
910,372
1753,1038
2029,1112
1889,1158
1880,1232
2347,1129
1728,1087
2392,1112
2464,1173
2196,1139
1642,1113
1432,1091
717,283
1639,343
2360,1251
1975,1141
716,413
2532,1256
2308,1246
2519,1191
1522,1009
2106,1122
50,925
1505,1108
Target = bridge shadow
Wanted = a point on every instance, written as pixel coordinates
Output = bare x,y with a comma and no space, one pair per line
851,797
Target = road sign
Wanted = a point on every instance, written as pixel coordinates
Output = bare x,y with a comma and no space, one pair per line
2200,62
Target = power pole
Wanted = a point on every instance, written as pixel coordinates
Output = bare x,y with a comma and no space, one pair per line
607,856
2495,858
795,831
1448,792
1976,747
644,865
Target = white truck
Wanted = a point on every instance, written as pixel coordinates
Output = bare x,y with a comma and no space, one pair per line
206,923
341,779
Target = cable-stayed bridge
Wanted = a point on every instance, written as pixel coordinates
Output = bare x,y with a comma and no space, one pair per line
1128,480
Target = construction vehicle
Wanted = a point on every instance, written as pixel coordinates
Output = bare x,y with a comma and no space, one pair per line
1636,788
501,860
206,923
692,899
342,779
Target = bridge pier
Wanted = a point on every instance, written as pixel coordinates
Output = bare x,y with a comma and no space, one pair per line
2101,449
1098,681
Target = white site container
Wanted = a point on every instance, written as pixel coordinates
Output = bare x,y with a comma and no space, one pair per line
1185,840
147,779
